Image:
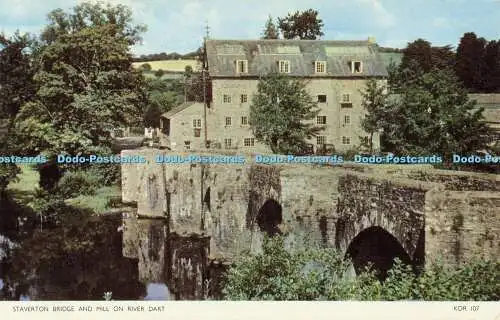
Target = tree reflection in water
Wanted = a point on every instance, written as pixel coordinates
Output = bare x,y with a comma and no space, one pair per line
77,256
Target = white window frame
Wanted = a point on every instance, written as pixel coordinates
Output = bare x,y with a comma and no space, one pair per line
228,143
226,98
196,123
320,67
241,63
187,144
344,95
284,66
319,120
347,119
318,138
228,123
353,66
244,123
346,140
251,142
243,96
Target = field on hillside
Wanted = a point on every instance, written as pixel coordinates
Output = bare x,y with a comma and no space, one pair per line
170,65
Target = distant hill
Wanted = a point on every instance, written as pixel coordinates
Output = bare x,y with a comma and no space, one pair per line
168,56
170,65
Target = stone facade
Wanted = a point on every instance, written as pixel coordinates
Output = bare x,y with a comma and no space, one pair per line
336,88
413,212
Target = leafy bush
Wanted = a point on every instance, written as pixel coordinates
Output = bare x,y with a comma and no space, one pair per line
280,273
8,174
81,182
106,174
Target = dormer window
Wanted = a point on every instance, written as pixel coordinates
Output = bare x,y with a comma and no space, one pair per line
320,66
241,66
284,66
356,67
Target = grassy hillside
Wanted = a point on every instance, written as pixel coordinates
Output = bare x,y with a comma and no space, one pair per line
170,65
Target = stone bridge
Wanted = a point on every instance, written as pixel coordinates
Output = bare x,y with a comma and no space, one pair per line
191,220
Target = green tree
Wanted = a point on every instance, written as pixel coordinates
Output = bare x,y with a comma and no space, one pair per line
16,73
432,114
375,103
420,55
86,85
281,114
304,25
93,14
16,88
270,30
469,65
492,67
145,67
159,73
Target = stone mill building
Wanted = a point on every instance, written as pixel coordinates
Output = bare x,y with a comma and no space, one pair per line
335,72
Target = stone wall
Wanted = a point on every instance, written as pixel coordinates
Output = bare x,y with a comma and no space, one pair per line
309,199
335,126
459,180
213,212
396,205
462,225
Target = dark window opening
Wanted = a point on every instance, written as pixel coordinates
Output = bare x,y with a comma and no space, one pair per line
322,98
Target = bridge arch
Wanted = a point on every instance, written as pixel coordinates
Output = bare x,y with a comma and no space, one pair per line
269,217
375,245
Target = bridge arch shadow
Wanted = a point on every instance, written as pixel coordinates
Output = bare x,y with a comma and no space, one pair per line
269,217
378,247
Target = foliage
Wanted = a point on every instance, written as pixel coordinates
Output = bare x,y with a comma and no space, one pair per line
169,56
16,73
281,114
431,115
284,273
270,30
93,15
86,85
302,25
8,173
163,95
145,67
159,73
420,55
375,103
491,82
470,64
152,116
194,88
77,182
101,202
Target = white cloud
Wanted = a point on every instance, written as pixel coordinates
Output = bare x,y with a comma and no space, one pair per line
440,22
382,17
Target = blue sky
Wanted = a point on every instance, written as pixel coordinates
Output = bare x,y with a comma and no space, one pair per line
178,25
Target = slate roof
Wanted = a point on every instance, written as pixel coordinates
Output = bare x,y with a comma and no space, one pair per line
179,108
263,55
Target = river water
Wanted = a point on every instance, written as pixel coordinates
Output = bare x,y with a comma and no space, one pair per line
77,257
